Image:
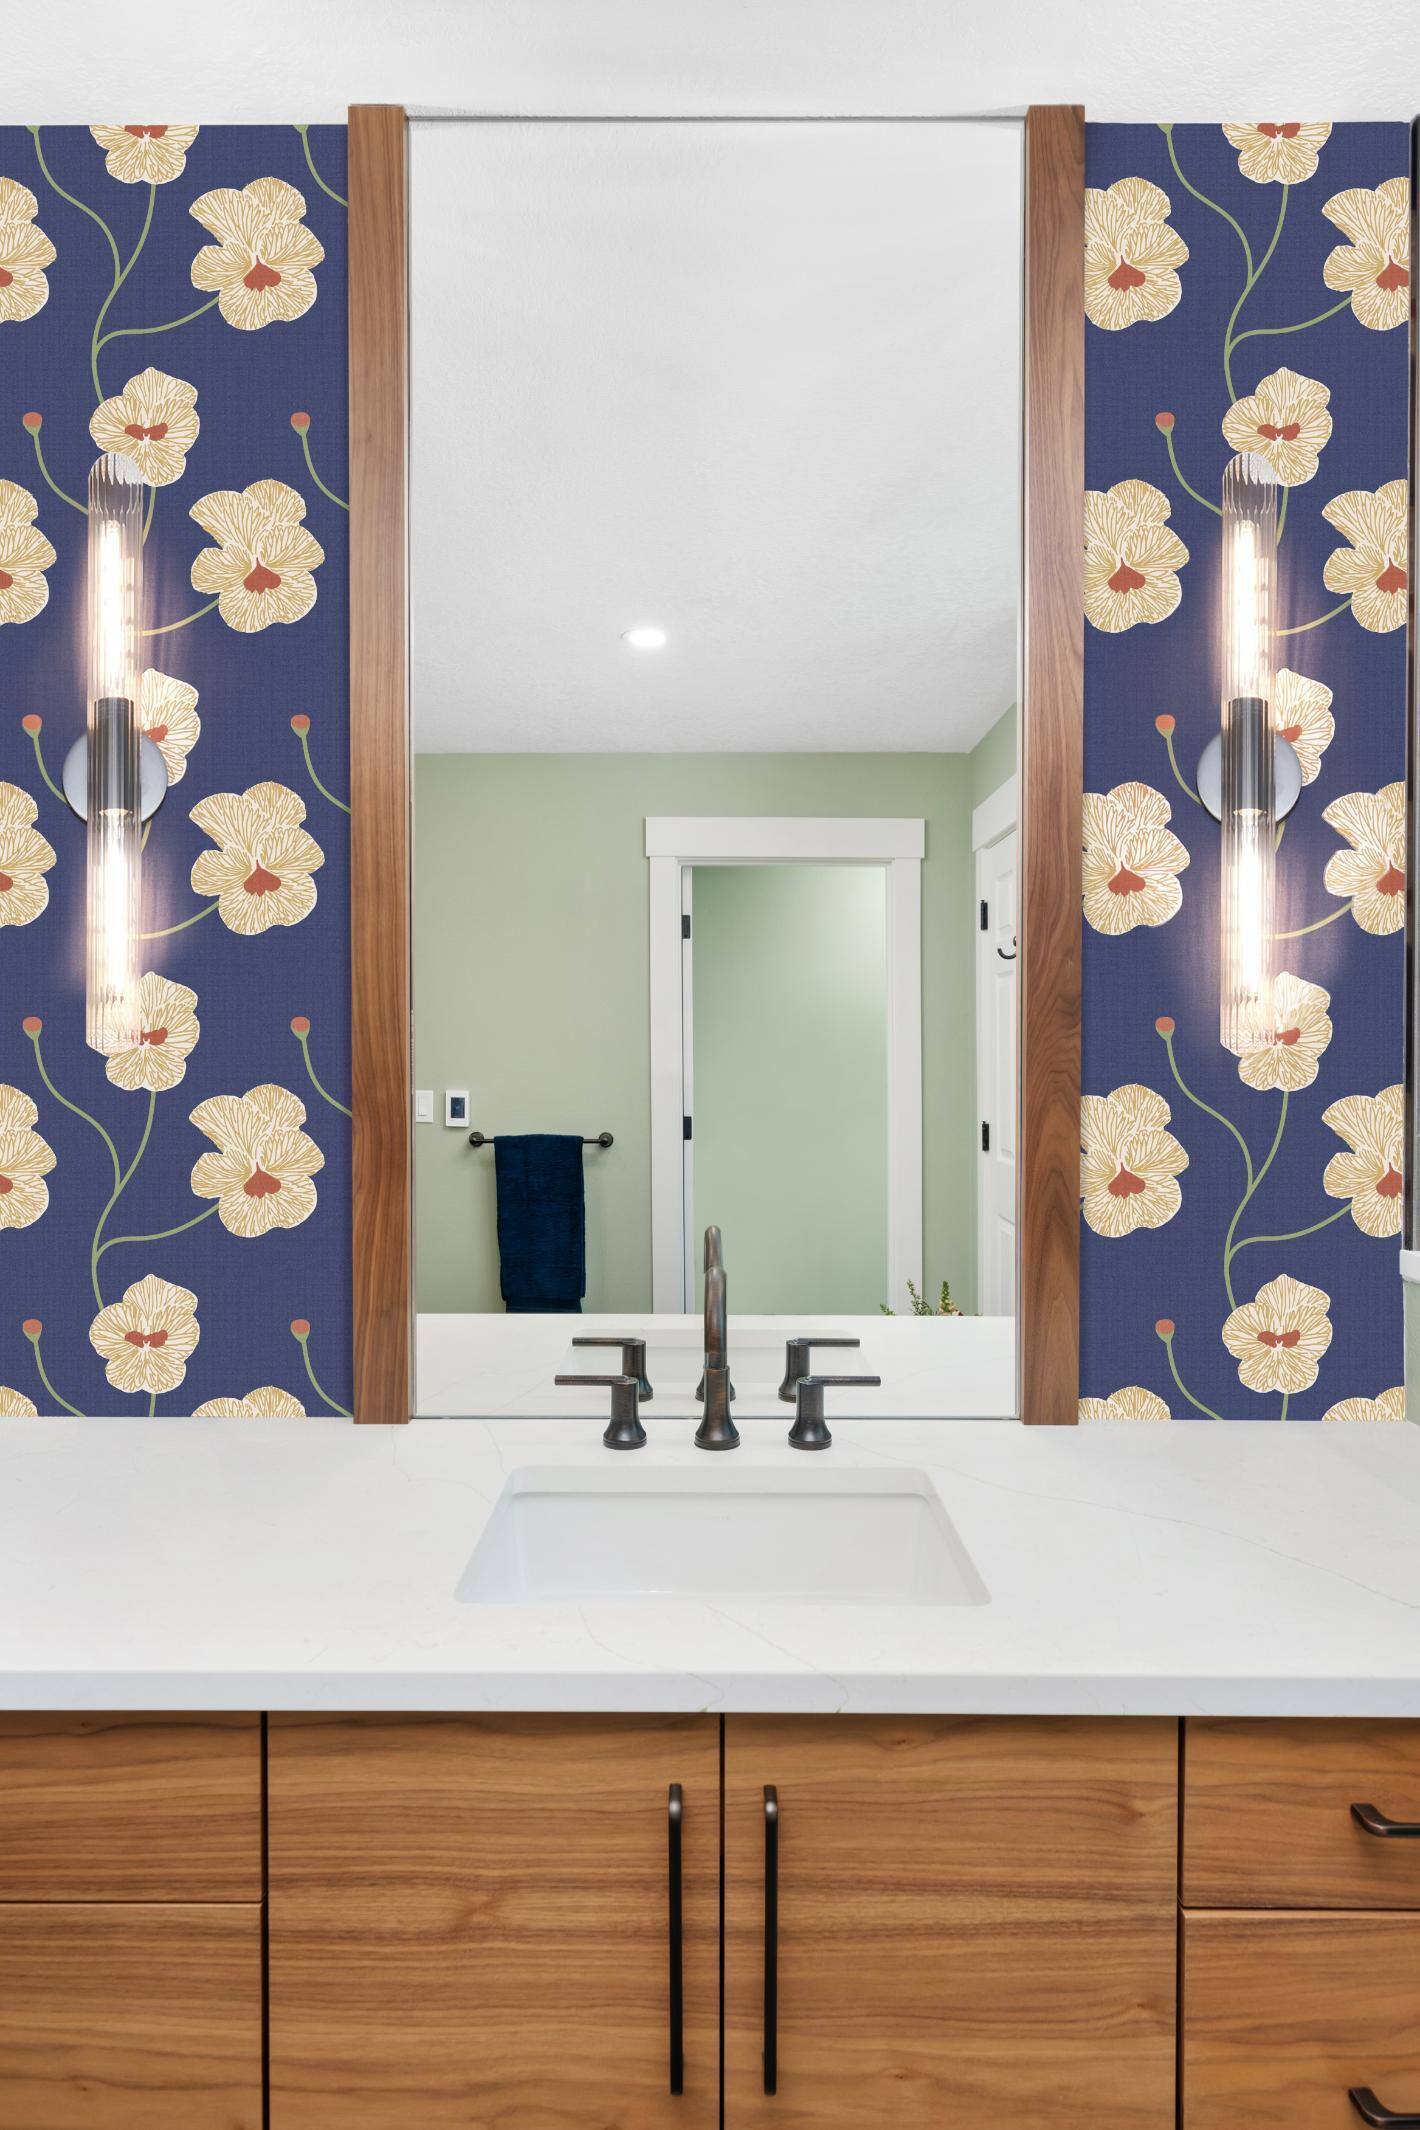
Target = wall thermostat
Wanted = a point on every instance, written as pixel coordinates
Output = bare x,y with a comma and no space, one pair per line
456,1106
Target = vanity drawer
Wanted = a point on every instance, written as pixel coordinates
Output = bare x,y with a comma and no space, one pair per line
1267,1820
130,1808
1284,2014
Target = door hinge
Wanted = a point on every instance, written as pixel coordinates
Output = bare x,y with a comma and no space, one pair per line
685,1127
985,1137
685,924
983,917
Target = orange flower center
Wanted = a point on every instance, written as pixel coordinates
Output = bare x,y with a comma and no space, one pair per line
6,883
1390,1185
1291,733
146,1338
6,277
6,580
155,1036
1289,1036
157,733
1287,433
1287,132
261,276
152,133
1275,1339
1125,882
260,1185
1392,275
1125,579
155,431
1392,578
1126,1184
1127,276
6,1184
1391,882
260,579
259,882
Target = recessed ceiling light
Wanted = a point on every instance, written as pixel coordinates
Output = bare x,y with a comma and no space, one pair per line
645,638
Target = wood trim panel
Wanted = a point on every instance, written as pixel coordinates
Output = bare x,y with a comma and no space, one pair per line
118,2015
130,1808
382,1205
1052,764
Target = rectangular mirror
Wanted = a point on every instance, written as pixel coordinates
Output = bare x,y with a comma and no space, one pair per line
714,620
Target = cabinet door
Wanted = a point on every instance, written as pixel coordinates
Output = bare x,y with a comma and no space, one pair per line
1284,2014
471,1922
976,1923
129,2016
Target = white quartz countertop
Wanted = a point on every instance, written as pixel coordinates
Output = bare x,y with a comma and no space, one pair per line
307,1564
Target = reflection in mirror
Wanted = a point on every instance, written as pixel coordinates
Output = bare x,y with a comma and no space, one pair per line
715,560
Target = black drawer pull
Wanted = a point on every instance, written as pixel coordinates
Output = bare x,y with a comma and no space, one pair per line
675,1817
771,1938
1375,1822
1370,2110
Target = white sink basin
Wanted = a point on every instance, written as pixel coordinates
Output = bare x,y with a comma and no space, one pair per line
814,1536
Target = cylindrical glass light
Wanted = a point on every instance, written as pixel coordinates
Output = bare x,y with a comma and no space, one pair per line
115,823
1249,797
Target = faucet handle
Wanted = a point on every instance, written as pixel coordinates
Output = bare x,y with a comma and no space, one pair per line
796,1360
624,1431
810,1430
633,1358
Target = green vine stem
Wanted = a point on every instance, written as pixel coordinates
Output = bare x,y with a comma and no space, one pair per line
1165,1027
34,423
301,1333
1164,423
1255,332
32,1327
95,1247
301,726
1164,725
1236,226
169,626
301,1030
169,325
148,515
1254,276
55,186
1230,1249
1301,627
330,193
301,423
161,1234
1296,1234
1281,517
120,275
1303,929
1165,1327
182,925
1286,1401
33,723
32,1024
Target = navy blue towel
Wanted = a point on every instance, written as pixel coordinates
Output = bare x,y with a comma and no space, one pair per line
542,1224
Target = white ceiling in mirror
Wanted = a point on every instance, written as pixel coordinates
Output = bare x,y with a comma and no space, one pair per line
755,385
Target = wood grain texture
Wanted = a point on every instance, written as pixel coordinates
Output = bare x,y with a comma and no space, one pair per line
1052,765
379,765
469,1922
122,2016
978,1923
1267,1814
130,1808
1282,2013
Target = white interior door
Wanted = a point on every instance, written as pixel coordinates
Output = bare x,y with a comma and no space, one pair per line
996,1076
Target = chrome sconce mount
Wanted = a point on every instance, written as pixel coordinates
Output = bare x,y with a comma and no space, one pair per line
152,777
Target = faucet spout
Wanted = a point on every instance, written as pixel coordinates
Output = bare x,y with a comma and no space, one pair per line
717,1431
716,1334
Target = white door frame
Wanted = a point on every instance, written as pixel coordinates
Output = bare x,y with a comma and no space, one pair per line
676,842
994,818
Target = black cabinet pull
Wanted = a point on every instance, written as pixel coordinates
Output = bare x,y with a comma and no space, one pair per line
1370,2110
771,1938
675,1816
1375,1822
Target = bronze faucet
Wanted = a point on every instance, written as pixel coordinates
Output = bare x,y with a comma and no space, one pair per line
717,1431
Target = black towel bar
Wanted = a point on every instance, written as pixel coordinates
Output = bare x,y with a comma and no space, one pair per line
482,1139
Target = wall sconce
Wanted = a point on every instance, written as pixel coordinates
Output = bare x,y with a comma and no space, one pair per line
1248,779
114,778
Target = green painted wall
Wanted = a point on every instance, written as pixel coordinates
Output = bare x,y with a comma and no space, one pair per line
532,990
790,1052
993,758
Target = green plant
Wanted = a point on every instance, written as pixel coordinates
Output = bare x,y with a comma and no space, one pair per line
922,1307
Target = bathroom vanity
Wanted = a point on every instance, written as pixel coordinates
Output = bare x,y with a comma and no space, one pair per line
1054,1845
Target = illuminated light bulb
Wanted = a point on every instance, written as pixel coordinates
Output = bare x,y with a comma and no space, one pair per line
113,1019
645,637
1249,818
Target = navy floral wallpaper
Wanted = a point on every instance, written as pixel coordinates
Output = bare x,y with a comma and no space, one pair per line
1247,289
175,1220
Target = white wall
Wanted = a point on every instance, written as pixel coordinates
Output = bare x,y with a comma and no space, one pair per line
232,60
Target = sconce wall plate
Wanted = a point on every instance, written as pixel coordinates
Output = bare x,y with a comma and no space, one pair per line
1286,769
152,777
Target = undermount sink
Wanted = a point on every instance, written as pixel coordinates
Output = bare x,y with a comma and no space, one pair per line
774,1537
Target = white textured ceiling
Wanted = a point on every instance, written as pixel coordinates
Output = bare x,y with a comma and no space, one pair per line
755,382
